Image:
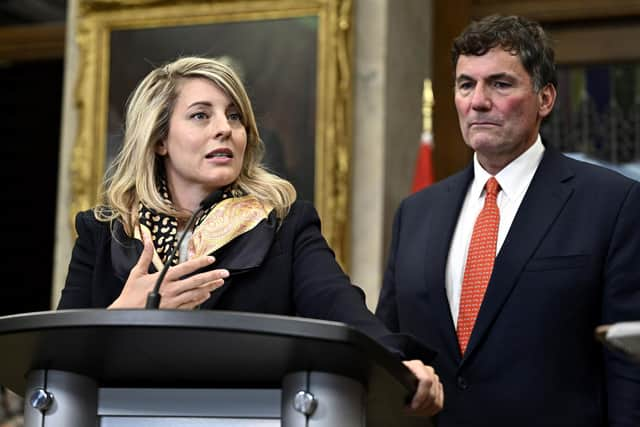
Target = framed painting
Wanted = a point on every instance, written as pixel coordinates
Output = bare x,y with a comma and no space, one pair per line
293,55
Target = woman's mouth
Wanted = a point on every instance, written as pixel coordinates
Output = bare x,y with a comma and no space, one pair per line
220,153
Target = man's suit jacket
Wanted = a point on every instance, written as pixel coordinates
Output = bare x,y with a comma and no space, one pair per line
289,271
570,261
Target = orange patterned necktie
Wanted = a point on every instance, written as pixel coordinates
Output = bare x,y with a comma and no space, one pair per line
480,258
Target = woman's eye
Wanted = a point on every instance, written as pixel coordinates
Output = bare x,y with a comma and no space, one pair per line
235,116
199,116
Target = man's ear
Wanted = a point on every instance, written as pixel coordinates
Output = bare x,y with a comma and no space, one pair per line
161,148
547,97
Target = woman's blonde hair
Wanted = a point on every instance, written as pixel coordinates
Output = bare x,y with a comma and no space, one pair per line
133,176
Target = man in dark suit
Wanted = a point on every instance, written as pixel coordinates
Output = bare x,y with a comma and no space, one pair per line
509,282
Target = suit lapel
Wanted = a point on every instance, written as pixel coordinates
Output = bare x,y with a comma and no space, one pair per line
125,252
244,253
547,194
438,241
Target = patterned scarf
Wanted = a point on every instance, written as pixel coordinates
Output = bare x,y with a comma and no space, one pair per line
233,216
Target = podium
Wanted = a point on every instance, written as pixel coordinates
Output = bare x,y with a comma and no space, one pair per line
113,368
623,337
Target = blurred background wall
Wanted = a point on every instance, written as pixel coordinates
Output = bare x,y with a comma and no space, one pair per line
397,45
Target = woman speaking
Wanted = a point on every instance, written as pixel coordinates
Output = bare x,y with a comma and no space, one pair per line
190,170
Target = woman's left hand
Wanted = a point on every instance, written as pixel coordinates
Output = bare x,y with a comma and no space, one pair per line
429,397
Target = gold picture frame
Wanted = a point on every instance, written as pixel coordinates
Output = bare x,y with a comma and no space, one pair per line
107,27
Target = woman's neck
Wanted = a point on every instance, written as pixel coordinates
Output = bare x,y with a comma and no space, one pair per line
187,198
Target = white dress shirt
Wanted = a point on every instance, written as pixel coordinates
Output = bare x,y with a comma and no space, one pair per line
514,180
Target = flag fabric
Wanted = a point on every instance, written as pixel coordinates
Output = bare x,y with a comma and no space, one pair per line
423,176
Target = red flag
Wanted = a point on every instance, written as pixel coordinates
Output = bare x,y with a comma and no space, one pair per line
423,176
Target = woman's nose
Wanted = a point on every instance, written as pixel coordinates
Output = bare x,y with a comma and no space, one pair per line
221,128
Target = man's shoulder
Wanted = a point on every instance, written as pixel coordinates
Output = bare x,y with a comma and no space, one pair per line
448,186
595,174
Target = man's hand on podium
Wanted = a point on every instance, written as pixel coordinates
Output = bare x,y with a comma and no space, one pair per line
429,397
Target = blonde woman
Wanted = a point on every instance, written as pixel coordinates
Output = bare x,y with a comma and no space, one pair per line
190,131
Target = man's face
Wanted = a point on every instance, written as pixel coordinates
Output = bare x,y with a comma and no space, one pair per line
498,110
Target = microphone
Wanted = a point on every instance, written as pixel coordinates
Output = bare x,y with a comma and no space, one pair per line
153,299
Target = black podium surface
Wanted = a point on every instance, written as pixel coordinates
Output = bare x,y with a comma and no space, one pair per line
192,349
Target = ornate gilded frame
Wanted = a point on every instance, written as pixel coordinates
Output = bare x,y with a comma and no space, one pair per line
97,19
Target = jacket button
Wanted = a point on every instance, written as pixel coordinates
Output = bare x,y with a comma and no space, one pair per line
462,383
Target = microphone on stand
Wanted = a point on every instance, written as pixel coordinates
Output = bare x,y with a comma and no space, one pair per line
153,299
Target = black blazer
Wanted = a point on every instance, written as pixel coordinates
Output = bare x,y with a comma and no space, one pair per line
570,262
297,276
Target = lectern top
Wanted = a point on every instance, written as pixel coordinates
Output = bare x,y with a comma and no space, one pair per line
159,348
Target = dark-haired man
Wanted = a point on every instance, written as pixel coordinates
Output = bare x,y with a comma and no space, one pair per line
508,266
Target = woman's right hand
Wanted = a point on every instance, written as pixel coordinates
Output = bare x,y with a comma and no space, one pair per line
429,397
176,291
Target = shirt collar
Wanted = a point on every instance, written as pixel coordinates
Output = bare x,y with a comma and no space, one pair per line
513,178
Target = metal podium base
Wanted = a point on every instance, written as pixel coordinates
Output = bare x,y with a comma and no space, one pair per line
307,399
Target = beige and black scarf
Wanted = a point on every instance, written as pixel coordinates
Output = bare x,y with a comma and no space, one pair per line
223,222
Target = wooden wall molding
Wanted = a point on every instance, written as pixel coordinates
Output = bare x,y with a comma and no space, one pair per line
450,153
32,42
558,10
596,44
